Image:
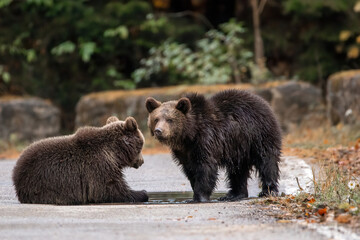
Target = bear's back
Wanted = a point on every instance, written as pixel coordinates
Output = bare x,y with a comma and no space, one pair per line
46,151
233,100
237,117
43,167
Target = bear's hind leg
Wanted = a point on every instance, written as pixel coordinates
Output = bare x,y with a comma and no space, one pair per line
238,184
119,191
269,174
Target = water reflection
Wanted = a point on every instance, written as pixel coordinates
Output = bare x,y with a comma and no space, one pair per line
177,197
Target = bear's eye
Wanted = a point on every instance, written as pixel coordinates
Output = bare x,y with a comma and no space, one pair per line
156,120
169,120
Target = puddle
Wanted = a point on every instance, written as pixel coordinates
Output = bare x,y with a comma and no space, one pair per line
177,197
174,198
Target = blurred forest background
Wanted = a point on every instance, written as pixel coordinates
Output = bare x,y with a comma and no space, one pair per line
63,49
71,51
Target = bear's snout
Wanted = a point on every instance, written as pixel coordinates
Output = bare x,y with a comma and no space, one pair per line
139,162
161,134
158,132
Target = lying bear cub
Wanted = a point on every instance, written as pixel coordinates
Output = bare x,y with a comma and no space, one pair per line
82,168
234,129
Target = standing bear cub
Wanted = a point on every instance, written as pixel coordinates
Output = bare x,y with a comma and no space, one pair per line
82,168
234,129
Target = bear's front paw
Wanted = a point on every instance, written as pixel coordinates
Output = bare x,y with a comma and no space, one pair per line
198,199
195,201
232,197
145,196
140,196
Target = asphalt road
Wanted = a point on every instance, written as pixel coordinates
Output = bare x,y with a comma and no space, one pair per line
158,220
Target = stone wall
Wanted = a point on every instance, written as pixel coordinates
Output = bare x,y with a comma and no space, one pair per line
295,103
343,97
93,109
28,118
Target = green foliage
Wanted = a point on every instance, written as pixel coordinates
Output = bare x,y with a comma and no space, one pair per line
315,8
4,74
4,3
60,41
165,64
17,50
119,79
64,49
74,42
154,24
120,31
312,35
86,50
219,57
41,2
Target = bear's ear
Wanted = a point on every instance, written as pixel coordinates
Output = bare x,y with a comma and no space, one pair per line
183,105
112,119
130,124
152,104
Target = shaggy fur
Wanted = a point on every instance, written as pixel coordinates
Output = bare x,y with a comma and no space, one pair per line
234,129
82,168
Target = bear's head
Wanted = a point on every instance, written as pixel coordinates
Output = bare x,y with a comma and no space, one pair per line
128,141
167,121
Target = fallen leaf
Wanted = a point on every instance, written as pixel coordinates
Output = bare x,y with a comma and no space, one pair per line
189,216
211,219
311,200
343,218
357,144
322,211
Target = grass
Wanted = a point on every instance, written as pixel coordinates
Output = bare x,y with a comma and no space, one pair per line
336,188
334,151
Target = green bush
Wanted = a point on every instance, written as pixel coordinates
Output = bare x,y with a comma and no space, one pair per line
308,35
63,49
219,57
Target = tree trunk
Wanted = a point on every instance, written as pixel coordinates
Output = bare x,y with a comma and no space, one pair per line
258,41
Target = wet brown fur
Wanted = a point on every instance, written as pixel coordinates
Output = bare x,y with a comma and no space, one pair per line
82,168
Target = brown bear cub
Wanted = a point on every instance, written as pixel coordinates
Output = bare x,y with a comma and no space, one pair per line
234,129
82,168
